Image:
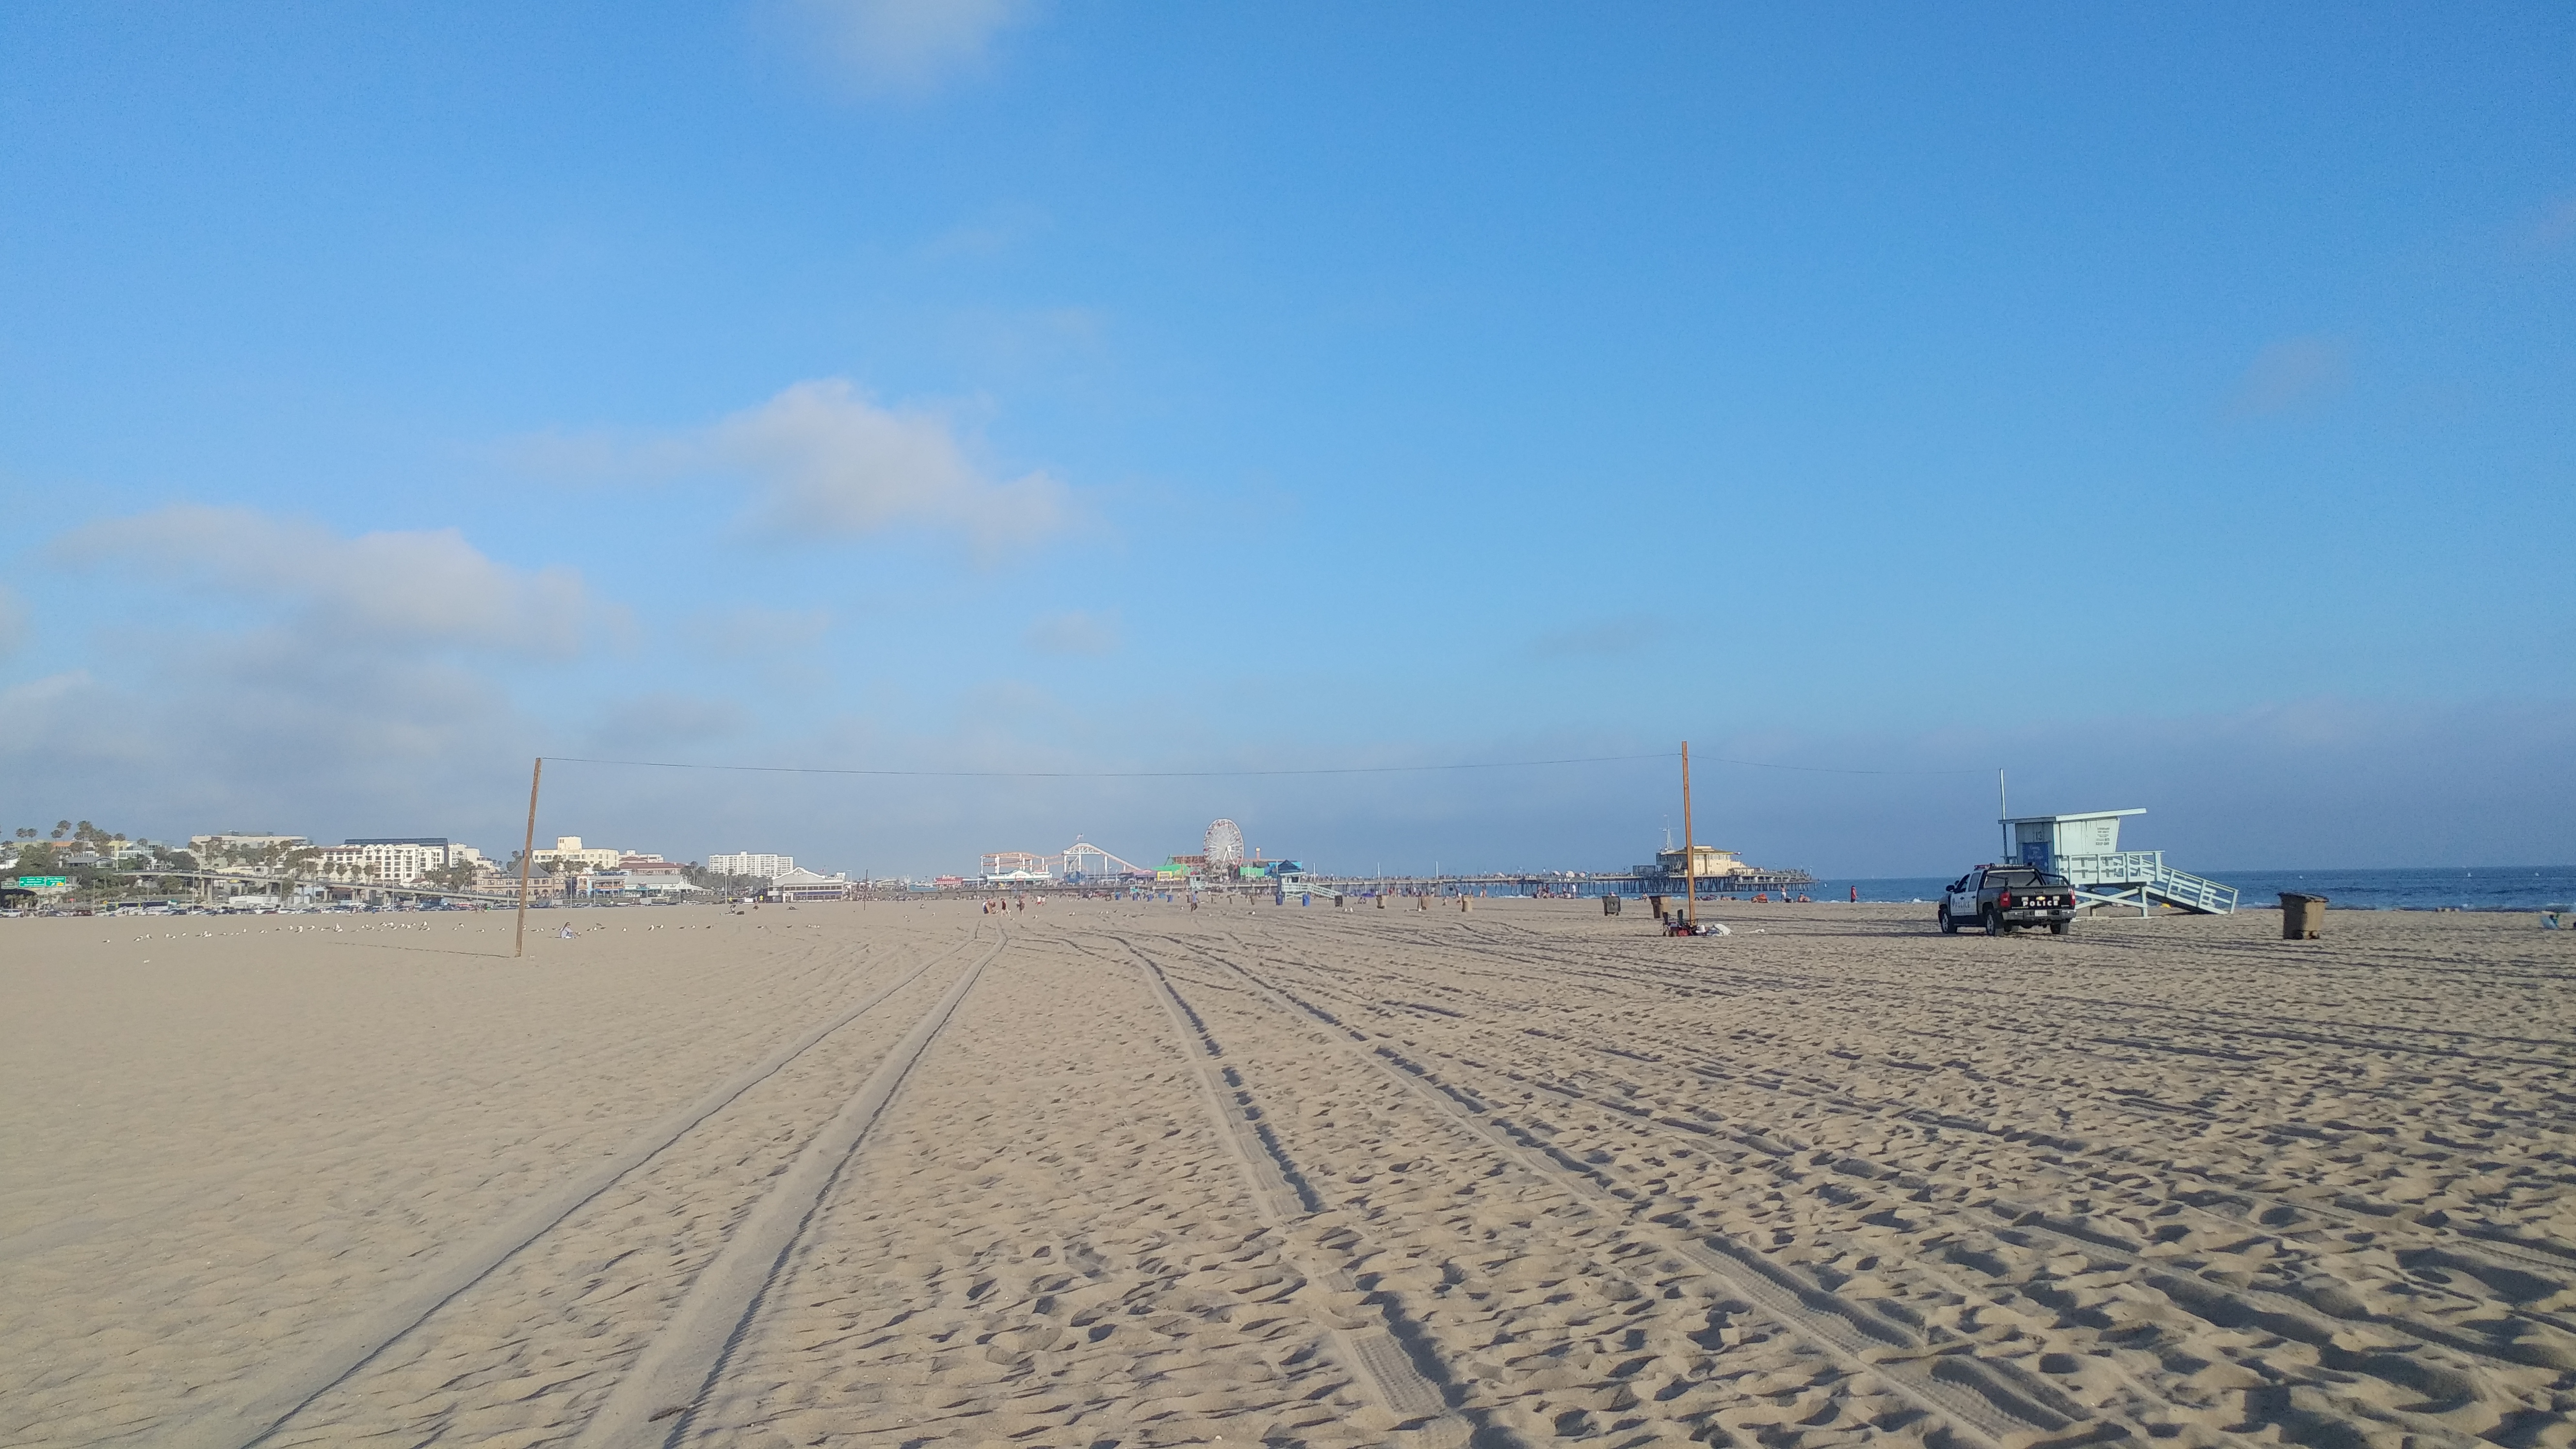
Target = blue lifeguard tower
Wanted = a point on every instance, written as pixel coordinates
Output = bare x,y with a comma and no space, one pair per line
2086,850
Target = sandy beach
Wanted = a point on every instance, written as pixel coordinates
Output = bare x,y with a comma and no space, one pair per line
1099,1173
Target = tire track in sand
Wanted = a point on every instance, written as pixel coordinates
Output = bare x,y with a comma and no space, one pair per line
2220,1306
1980,1405
2098,1163
263,1409
1555,1317
656,1400
2419,1387
1382,1363
2322,1317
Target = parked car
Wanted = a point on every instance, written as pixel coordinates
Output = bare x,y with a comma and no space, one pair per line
2006,896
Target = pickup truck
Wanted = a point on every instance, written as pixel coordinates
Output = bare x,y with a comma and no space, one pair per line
2006,896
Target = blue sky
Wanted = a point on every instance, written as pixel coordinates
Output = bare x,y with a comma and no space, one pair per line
2169,403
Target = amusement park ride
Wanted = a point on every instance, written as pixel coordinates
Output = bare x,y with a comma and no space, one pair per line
1220,858
1076,863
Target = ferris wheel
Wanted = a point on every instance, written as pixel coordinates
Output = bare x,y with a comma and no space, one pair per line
1224,843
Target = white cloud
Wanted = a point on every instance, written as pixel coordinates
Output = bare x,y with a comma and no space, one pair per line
407,590
2291,373
827,459
1073,632
903,47
824,460
334,682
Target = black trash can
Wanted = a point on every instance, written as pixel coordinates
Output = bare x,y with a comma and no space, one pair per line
2303,917
1609,905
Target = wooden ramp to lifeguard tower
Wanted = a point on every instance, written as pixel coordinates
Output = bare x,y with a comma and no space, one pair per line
2086,850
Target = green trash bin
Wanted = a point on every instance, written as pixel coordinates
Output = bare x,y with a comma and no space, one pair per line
2303,917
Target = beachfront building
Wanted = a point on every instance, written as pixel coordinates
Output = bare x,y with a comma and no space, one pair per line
1706,862
1718,871
653,874
632,875
570,856
767,867
540,887
805,885
399,860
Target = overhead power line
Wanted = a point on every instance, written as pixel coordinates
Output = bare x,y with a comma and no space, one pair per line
1832,769
1226,774
1109,774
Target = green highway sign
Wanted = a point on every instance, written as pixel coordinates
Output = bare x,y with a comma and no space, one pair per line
39,882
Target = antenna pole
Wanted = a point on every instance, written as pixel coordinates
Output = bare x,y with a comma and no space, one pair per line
1690,849
527,850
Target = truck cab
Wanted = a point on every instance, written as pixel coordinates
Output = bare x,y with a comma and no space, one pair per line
2005,896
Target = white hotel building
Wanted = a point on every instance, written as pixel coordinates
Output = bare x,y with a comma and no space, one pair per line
767,867
393,861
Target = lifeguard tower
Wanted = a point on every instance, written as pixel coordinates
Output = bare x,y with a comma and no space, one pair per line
2086,850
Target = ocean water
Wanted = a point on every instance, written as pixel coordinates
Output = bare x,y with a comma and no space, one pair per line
2483,888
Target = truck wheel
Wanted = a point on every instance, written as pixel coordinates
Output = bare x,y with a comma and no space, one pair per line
1995,922
2060,928
1948,927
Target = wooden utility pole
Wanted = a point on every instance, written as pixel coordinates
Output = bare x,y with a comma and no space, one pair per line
527,851
1690,851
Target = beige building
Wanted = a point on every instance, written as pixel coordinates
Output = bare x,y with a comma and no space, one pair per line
569,855
1707,862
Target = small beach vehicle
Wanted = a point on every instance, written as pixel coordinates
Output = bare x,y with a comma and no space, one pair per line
2007,896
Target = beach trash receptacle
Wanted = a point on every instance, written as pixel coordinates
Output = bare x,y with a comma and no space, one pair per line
2303,917
1609,905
